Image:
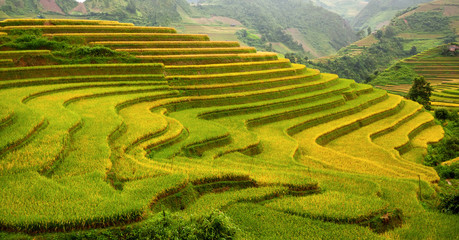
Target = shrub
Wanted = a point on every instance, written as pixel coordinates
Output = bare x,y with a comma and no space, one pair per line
441,114
215,226
448,172
449,203
443,151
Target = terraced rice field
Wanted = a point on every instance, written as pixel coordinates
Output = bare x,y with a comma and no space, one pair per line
307,153
443,74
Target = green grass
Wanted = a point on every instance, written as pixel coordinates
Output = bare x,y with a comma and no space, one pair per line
275,225
331,206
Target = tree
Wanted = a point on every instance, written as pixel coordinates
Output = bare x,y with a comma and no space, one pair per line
369,31
413,50
420,92
131,7
379,34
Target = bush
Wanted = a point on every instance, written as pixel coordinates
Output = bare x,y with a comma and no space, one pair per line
441,114
448,172
445,150
35,42
96,51
215,226
449,203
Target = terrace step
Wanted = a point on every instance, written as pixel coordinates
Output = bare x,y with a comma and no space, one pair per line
445,95
235,77
224,88
430,135
351,143
399,139
178,104
309,138
166,44
100,121
154,79
6,63
20,53
132,36
198,139
175,133
198,59
351,107
235,68
328,90
26,123
79,70
79,29
43,22
186,51
62,124
295,111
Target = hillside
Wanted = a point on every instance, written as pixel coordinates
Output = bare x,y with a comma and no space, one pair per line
378,13
418,30
12,8
297,24
105,125
145,12
346,8
439,66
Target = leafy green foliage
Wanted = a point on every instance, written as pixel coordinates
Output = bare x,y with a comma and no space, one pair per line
166,226
33,42
420,92
448,148
448,172
449,203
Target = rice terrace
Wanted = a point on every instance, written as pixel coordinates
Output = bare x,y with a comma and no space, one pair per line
110,129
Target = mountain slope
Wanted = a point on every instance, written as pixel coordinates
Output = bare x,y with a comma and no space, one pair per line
346,8
27,7
322,31
380,11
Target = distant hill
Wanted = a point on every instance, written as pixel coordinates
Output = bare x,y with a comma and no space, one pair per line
346,8
319,31
12,8
142,12
420,29
378,12
439,66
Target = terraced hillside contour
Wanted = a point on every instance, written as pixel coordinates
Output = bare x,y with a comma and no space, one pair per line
442,72
95,145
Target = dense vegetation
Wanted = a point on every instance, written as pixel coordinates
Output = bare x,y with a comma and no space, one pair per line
363,66
324,31
236,143
440,156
